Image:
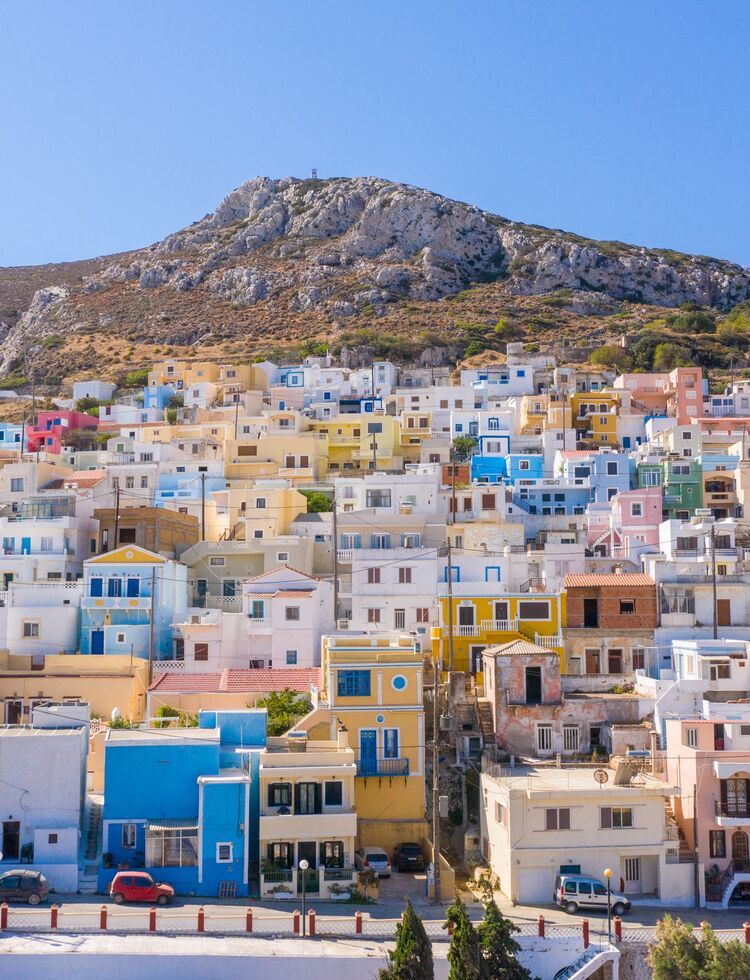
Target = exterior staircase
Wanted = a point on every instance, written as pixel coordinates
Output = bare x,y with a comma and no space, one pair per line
90,857
486,726
684,853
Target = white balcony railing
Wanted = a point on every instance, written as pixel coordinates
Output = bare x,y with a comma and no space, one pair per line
550,642
254,623
499,625
466,631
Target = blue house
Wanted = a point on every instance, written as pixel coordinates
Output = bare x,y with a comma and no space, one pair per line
10,435
183,803
157,396
549,499
123,591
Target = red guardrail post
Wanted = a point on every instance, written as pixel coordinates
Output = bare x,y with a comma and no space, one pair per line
585,928
152,919
249,921
4,915
103,917
201,919
295,922
746,927
617,922
53,916
358,923
311,922
540,925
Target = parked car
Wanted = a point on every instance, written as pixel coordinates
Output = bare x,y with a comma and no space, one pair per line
139,886
408,857
375,859
23,886
579,891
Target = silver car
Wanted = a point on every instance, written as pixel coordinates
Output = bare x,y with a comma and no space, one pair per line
373,859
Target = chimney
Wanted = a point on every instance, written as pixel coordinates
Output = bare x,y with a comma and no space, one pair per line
342,737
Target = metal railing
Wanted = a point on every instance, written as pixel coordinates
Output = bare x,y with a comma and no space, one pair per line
382,767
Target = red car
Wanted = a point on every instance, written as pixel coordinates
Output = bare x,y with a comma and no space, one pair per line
139,886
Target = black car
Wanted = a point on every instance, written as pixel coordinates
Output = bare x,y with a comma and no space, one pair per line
408,857
23,886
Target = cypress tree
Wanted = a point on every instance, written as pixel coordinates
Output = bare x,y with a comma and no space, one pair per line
498,947
412,957
464,953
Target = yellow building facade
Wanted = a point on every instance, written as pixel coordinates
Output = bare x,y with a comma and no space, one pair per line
372,685
595,415
478,622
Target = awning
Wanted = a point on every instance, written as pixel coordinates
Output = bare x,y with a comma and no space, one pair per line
179,823
725,770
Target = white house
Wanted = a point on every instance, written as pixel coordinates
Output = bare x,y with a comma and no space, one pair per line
93,388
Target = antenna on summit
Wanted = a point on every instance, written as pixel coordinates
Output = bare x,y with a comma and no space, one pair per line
314,173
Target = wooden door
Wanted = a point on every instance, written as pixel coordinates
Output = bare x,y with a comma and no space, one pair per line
723,612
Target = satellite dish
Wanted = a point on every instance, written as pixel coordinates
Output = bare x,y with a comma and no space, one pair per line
601,776
116,713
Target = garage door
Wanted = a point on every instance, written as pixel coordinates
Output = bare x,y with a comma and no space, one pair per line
535,885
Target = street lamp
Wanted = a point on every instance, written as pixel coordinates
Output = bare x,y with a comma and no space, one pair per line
608,876
303,866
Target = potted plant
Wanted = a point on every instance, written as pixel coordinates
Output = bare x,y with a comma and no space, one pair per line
339,892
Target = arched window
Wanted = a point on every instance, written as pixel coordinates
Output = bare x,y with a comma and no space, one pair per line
739,846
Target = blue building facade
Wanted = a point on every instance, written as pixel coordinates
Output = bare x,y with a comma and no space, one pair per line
183,804
157,396
123,591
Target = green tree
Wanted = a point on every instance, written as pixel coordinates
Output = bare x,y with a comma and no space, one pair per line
86,404
136,379
318,502
412,957
464,953
680,951
284,709
498,947
612,356
463,446
669,356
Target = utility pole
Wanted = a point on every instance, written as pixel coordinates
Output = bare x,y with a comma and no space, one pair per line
335,561
450,608
236,415
117,513
713,578
452,457
203,506
374,434
436,783
151,629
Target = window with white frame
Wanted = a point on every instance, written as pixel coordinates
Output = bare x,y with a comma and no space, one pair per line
544,738
692,738
571,738
30,629
128,835
224,853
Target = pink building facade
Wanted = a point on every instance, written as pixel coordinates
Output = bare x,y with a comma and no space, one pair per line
48,435
709,759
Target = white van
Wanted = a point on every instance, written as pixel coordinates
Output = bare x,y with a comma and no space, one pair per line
579,891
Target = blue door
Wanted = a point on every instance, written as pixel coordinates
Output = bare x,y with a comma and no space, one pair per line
97,641
368,752
25,546
132,586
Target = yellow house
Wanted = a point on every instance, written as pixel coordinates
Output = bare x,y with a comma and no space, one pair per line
344,435
298,457
416,428
182,374
533,414
269,506
115,681
484,621
372,686
380,444
595,415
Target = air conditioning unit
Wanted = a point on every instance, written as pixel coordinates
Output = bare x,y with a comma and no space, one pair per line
342,624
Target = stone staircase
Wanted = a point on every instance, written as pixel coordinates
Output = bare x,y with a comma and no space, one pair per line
486,726
91,847
685,855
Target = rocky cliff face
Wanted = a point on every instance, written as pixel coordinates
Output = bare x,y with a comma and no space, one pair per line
325,251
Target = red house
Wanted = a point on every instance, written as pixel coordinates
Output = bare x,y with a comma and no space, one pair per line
51,428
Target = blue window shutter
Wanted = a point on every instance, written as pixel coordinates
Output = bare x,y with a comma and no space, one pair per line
96,587
133,586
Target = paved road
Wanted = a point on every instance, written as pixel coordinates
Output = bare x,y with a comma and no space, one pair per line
82,912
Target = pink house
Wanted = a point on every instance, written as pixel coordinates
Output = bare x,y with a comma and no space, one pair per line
48,435
709,759
679,393
636,515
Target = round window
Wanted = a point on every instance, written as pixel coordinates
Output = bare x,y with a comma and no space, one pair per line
399,682
380,719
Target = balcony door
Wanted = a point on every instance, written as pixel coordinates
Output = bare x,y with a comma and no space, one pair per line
739,846
307,798
368,751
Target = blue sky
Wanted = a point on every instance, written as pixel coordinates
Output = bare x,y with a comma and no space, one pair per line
123,121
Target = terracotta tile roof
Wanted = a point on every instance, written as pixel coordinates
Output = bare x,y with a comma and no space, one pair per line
576,453
287,593
239,680
519,647
608,580
273,571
